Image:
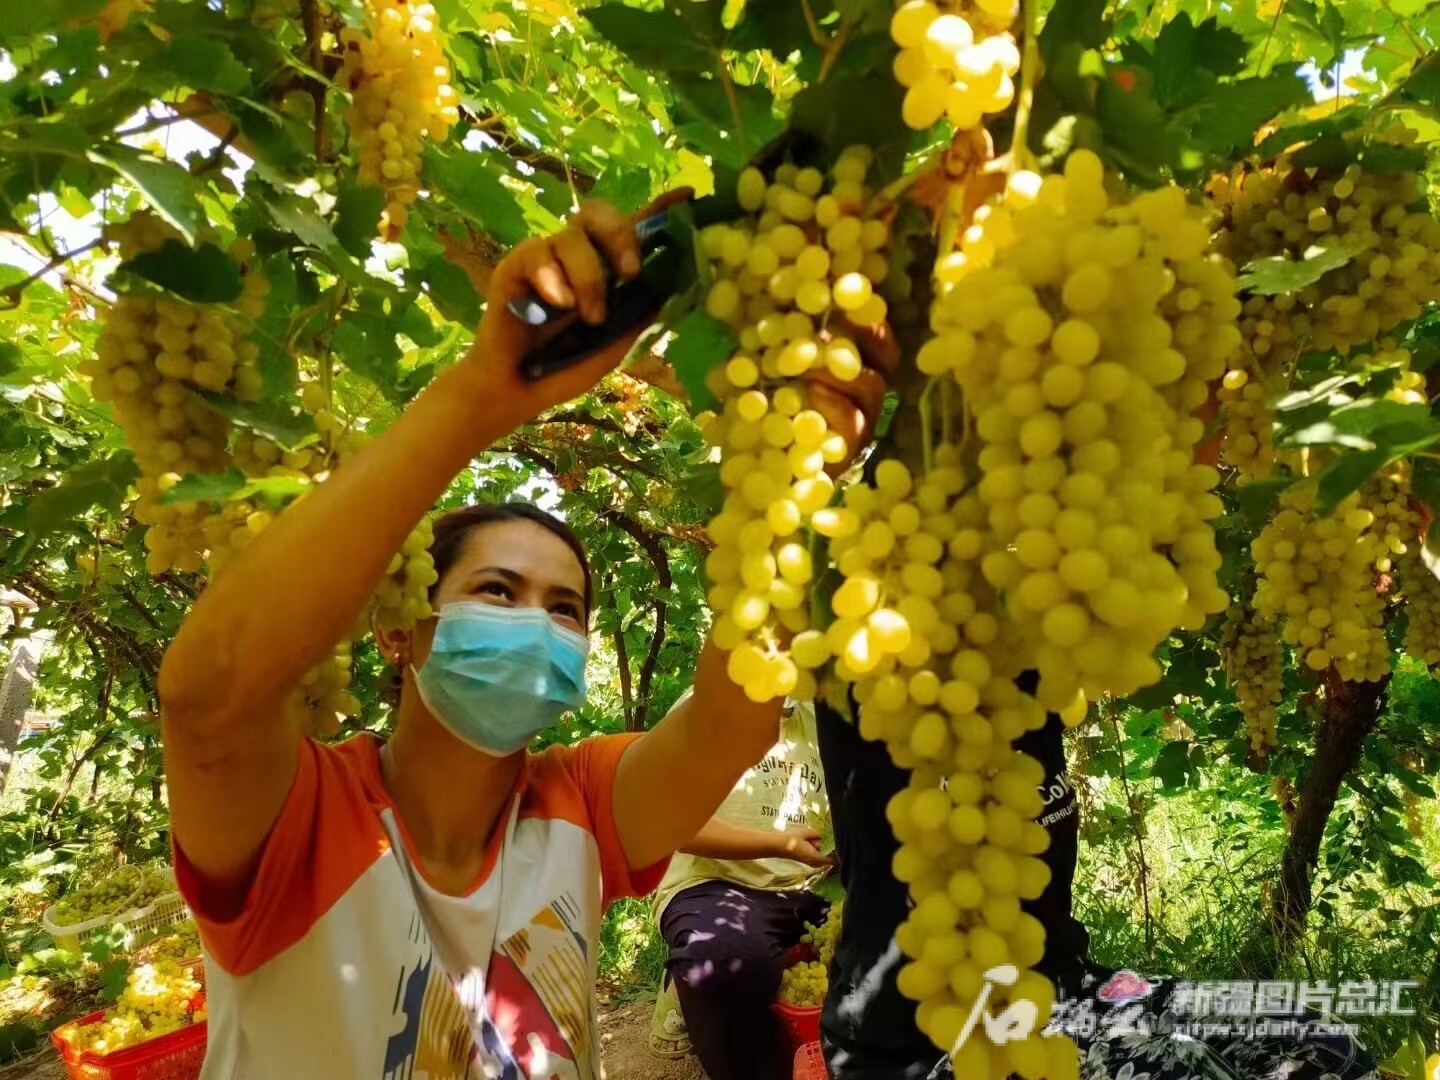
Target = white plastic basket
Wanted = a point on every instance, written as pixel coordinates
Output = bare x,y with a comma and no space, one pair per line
163,912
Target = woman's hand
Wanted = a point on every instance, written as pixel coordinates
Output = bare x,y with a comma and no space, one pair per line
802,843
565,270
852,408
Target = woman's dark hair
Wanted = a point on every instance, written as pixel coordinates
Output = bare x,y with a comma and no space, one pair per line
453,527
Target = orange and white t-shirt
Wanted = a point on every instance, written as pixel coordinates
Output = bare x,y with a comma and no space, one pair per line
345,963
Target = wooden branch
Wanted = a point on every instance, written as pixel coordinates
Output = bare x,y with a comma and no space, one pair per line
622,661
1352,710
310,18
493,124
11,294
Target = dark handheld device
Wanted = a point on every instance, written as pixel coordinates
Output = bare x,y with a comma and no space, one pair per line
628,304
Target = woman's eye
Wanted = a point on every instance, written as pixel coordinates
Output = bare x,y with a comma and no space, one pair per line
494,588
566,611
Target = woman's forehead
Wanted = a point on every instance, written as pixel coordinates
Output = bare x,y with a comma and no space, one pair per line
524,548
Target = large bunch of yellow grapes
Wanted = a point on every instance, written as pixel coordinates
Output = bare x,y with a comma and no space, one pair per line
1255,665
151,357
1317,580
399,80
803,256
1282,211
957,60
158,998
935,678
1084,334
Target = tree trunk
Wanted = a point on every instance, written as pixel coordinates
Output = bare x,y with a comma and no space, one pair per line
15,693
1351,712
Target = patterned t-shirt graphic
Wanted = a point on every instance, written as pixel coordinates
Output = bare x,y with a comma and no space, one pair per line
347,963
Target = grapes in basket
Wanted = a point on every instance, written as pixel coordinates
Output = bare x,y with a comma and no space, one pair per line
156,1001
108,896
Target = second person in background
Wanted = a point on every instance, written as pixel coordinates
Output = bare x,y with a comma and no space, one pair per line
734,901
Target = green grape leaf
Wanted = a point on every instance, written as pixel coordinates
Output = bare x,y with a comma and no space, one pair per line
1229,114
1278,274
96,483
1177,765
699,342
1293,134
205,63
472,186
1357,425
703,487
450,289
21,20
205,487
203,275
829,888
732,121
357,210
277,420
1425,481
169,189
1077,22
845,110
1188,58
659,40
234,485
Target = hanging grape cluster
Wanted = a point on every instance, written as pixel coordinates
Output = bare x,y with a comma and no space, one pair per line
399,80
1255,665
1281,210
957,60
1249,445
804,257
152,356
1084,335
1317,580
1421,590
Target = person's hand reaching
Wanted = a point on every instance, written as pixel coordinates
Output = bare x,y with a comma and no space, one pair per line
802,843
567,271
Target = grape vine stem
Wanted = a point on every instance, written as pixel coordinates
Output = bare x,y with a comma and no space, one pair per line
1020,157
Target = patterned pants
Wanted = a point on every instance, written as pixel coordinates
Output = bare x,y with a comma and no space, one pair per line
1129,1028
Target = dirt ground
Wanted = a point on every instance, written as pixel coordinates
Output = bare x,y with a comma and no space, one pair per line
625,1032
624,1029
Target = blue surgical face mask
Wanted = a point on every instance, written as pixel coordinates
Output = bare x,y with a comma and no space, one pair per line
498,676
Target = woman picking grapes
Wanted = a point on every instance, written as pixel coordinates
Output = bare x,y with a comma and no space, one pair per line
430,905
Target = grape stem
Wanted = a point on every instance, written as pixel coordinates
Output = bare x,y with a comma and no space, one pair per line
894,190
946,411
927,434
1020,156
950,218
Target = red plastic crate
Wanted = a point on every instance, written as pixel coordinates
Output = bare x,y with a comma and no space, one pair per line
176,1056
802,1024
810,1063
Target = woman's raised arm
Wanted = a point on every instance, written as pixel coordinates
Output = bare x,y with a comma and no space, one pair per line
284,602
